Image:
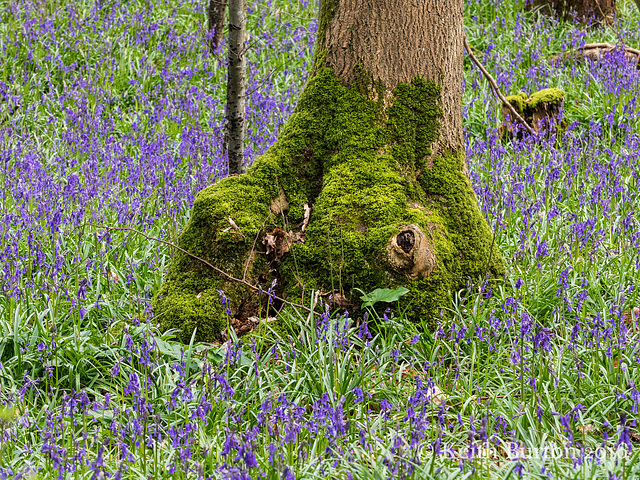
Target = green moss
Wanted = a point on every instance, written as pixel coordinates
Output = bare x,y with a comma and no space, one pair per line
366,173
327,11
518,102
427,296
548,95
526,105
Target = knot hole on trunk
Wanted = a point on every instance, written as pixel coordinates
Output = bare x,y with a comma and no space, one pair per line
410,252
406,240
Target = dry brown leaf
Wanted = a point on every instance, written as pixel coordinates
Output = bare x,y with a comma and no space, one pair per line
270,242
279,204
586,428
278,242
436,394
632,315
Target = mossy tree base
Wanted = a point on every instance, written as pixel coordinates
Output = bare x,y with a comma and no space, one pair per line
385,211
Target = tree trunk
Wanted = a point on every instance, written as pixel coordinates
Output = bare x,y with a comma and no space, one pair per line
236,87
215,21
582,10
374,149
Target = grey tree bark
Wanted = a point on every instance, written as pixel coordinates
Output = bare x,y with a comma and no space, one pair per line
236,86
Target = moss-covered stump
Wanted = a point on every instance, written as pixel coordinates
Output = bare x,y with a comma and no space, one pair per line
540,110
385,211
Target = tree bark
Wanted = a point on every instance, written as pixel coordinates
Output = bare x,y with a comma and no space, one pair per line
215,21
365,188
236,87
395,43
582,10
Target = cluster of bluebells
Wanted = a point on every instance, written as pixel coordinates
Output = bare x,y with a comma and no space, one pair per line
114,116
207,414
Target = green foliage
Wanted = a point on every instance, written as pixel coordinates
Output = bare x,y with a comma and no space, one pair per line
383,295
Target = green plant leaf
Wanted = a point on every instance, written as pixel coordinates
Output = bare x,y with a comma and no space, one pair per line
383,295
172,349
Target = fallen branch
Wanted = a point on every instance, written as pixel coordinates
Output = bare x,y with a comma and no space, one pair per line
494,86
221,272
595,50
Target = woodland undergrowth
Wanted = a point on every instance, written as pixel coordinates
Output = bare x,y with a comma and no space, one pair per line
112,114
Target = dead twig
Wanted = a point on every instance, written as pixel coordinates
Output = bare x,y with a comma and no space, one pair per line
221,272
494,85
605,19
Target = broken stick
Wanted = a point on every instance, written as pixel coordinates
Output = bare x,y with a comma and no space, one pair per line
494,86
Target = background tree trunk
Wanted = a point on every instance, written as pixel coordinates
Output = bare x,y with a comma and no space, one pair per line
584,10
236,87
215,21
374,152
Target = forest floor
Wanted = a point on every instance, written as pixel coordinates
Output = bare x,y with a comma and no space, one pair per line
111,115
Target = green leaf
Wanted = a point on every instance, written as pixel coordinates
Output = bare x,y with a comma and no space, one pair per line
7,414
383,295
172,349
